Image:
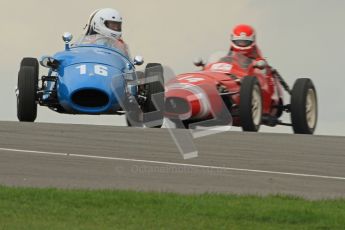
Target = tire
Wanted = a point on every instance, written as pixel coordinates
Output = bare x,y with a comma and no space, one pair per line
250,104
152,88
304,108
30,62
26,99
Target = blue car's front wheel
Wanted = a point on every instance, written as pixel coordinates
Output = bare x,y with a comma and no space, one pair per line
27,90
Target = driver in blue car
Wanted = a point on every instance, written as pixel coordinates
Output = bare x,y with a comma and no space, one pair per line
106,23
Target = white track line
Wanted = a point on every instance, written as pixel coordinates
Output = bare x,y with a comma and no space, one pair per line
175,164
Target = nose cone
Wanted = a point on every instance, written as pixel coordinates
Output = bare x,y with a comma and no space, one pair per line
184,102
90,93
192,100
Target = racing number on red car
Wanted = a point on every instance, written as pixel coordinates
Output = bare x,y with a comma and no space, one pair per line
191,79
98,69
221,67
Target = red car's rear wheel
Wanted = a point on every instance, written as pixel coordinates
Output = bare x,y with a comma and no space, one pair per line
304,109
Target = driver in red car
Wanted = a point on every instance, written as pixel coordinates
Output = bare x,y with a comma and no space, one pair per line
106,23
243,41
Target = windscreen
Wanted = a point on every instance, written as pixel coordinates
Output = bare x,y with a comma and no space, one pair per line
104,41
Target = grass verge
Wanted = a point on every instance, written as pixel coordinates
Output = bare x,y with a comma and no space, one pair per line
31,208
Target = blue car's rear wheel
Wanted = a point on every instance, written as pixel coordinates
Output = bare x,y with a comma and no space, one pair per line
27,90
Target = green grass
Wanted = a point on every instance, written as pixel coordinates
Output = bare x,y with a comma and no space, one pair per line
28,208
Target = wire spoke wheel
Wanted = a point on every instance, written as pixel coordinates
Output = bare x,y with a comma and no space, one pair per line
256,105
251,106
311,111
304,108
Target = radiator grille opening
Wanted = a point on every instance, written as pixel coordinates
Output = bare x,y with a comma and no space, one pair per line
176,105
90,98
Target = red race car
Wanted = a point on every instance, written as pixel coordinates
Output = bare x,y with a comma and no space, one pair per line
250,91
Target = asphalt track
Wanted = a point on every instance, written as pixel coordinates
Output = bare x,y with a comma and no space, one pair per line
102,157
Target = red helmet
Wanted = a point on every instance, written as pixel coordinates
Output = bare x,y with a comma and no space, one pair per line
243,38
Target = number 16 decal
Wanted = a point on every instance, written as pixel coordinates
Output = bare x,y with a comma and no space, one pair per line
98,69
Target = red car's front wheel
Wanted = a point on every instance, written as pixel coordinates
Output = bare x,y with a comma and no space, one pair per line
250,104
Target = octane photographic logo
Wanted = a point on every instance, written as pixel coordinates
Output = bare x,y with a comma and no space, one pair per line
213,115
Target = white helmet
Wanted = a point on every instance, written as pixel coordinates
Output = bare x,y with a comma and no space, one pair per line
107,22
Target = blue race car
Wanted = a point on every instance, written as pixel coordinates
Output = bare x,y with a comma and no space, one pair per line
94,76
